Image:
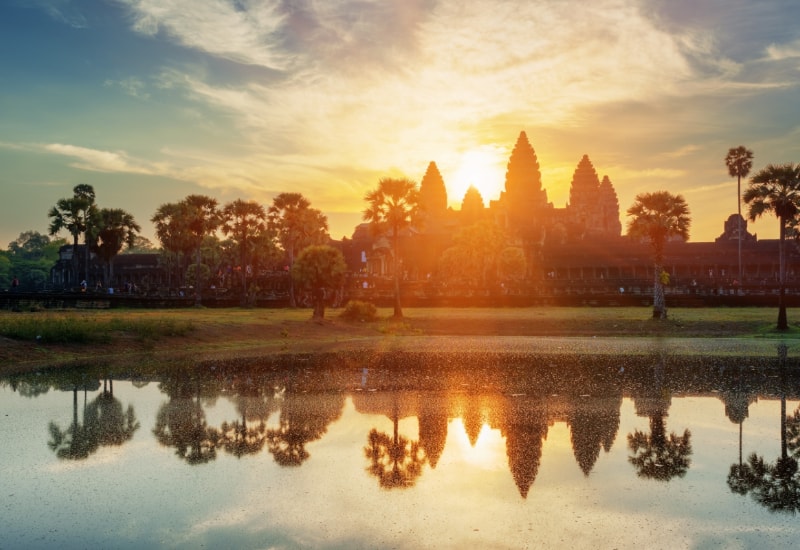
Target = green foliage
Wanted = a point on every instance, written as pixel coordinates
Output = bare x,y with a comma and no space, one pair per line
29,257
511,264
76,329
319,266
192,279
358,310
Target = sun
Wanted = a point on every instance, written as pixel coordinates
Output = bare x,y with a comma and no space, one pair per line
484,168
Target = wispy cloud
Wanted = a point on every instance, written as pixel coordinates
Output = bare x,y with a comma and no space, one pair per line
244,32
132,86
96,160
779,52
63,11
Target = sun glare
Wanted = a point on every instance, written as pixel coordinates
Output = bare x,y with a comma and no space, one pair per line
489,449
484,168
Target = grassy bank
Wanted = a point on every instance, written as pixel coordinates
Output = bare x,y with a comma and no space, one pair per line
67,336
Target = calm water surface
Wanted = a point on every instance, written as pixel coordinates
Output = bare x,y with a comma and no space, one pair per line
409,452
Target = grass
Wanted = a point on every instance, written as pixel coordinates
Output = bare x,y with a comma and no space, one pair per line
88,328
37,338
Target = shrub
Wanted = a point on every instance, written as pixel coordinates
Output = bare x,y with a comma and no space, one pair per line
356,310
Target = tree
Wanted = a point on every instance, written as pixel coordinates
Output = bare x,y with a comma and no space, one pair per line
244,221
394,459
172,235
319,267
776,189
739,161
297,226
200,218
110,231
476,252
29,258
73,214
657,217
393,207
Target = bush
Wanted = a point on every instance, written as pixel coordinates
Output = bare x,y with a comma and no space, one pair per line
356,310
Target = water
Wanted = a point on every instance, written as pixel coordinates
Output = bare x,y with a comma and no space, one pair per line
410,451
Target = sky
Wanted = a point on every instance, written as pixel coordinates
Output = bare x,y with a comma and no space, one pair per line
152,100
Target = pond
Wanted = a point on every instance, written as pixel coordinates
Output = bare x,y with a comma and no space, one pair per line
405,450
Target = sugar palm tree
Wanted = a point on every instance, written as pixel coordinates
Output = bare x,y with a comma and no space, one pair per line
202,217
393,206
297,226
657,217
110,231
244,221
74,214
739,161
776,189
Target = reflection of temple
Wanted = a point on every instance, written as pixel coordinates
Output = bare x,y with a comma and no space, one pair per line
522,420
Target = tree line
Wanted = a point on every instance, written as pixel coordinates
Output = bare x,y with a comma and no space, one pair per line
259,238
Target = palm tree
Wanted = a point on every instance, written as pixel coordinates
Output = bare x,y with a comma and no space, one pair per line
171,235
111,229
739,161
73,214
201,218
319,267
776,189
297,226
393,206
244,221
657,217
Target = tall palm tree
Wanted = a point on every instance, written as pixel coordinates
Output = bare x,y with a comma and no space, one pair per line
297,226
172,236
739,161
201,218
657,217
776,189
244,221
393,206
74,214
110,231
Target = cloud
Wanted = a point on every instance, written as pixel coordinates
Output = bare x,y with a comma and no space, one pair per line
131,86
61,10
779,52
96,160
684,151
244,32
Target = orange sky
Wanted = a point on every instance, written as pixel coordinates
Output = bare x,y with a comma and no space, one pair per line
151,102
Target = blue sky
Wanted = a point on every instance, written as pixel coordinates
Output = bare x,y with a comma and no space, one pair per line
151,100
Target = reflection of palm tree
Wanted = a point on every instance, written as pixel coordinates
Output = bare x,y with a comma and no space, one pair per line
657,455
775,486
737,402
303,419
115,425
80,439
181,423
395,460
240,438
